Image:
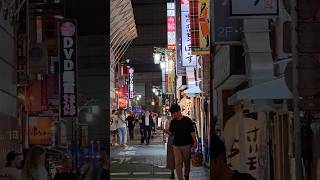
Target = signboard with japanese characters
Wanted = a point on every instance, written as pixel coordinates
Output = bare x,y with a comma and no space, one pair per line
130,86
252,147
68,69
40,130
171,25
187,58
254,8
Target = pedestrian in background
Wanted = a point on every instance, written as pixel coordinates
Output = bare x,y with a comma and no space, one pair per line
170,154
130,120
66,173
12,170
181,127
122,129
141,128
34,167
113,128
147,122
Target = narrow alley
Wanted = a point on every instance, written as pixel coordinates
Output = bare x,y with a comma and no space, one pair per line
146,161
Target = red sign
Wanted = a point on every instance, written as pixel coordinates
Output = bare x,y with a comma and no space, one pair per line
171,24
185,2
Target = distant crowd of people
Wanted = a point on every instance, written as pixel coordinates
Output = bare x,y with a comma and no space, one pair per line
124,122
32,167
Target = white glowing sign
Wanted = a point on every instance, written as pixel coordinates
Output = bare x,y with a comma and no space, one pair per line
187,58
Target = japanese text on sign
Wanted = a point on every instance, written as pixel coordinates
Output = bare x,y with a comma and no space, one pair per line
187,58
68,66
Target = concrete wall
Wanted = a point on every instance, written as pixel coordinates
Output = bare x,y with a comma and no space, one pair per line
8,109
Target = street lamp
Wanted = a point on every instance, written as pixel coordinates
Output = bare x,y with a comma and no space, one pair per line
157,58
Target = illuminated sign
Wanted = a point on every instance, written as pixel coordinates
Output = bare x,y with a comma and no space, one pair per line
40,130
68,69
171,25
131,90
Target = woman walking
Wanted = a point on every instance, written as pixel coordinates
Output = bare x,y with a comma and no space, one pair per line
34,167
122,129
170,155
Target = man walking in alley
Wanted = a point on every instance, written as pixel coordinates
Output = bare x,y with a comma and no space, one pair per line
183,131
147,123
219,168
130,120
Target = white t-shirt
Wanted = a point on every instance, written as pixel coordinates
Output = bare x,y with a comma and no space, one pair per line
147,121
121,121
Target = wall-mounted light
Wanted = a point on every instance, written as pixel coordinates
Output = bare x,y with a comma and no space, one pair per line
162,65
89,117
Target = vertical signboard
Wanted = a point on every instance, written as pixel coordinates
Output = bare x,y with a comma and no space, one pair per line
224,30
130,87
180,70
171,25
200,26
187,58
171,76
68,69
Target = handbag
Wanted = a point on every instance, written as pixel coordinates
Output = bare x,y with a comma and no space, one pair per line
197,156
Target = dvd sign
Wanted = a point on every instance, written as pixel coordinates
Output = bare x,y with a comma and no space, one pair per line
68,69
131,90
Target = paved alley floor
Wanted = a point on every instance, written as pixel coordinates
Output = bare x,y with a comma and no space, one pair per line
146,161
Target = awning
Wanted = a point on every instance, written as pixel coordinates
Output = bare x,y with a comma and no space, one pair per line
275,89
193,90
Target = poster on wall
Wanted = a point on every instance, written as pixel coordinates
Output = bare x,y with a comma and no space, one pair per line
186,54
68,69
200,26
40,130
